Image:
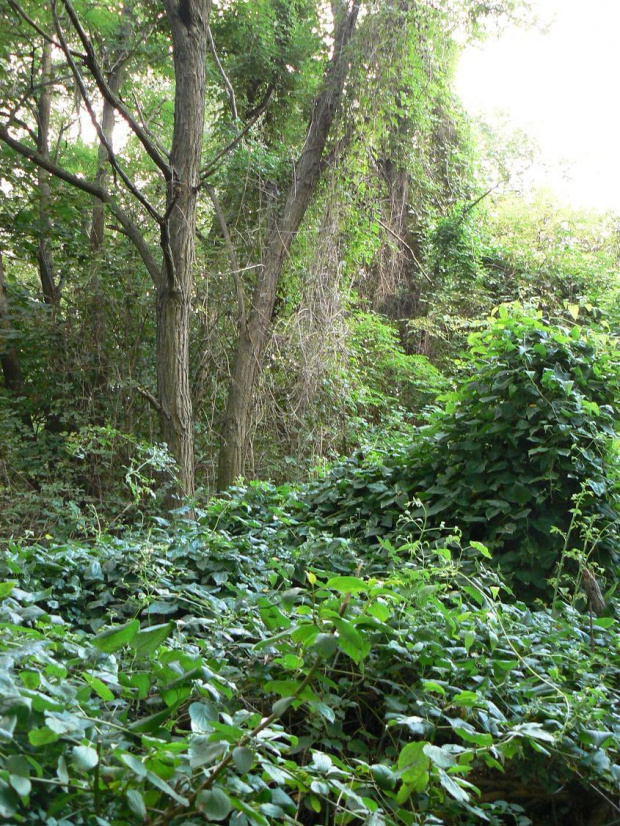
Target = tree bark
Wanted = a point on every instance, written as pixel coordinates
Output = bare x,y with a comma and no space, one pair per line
45,257
11,368
253,335
189,20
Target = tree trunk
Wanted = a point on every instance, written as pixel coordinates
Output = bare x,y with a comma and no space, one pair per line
253,336
44,255
188,22
11,368
107,127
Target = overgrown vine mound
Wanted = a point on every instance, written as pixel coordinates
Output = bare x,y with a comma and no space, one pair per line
248,668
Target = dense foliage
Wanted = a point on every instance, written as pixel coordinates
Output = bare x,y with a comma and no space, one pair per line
526,438
252,668
418,626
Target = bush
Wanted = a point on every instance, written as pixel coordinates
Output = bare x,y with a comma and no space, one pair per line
528,429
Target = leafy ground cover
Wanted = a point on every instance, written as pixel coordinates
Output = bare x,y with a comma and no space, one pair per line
254,667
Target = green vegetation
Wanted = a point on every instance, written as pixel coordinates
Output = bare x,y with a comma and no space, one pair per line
309,444
253,667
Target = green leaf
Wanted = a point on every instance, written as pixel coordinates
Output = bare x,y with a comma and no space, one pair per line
132,762
136,804
42,736
439,756
214,803
325,645
115,638
85,757
202,751
350,641
8,802
452,788
166,788
98,687
281,705
383,776
482,549
347,584
148,640
243,758
22,785
6,588
323,762
414,765
466,699
202,715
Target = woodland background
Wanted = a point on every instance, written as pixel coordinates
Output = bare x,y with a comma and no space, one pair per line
258,249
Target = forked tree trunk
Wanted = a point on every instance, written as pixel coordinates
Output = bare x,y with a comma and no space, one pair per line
253,336
188,22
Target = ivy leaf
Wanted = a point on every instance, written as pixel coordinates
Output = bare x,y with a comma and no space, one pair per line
147,640
115,638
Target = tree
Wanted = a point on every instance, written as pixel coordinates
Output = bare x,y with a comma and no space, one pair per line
174,218
254,331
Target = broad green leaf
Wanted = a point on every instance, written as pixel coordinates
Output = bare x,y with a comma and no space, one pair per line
6,588
133,763
346,584
452,787
214,803
202,751
115,638
85,757
243,758
202,715
413,765
351,641
166,788
439,756
148,640
281,705
98,687
323,762
135,802
383,776
482,549
22,785
8,801
42,736
326,645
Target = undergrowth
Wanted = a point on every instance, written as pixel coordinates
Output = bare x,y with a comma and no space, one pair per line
249,668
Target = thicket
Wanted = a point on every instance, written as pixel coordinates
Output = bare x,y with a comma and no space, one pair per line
345,652
524,442
255,667
400,632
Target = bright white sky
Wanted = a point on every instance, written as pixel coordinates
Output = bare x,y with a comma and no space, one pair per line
562,89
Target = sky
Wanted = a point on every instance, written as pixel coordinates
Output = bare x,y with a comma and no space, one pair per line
561,87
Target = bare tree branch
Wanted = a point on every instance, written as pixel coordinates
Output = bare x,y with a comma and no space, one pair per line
210,168
129,227
229,89
91,61
100,134
230,248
